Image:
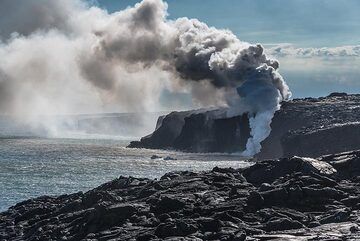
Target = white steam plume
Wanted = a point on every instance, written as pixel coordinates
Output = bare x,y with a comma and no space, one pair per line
73,56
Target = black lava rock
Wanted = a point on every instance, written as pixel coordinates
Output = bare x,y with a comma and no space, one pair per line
288,199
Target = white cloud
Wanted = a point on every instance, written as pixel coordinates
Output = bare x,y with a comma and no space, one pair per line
288,50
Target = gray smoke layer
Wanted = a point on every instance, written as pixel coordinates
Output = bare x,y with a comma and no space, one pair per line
72,56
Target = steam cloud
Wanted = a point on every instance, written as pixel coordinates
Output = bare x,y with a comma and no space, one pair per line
58,56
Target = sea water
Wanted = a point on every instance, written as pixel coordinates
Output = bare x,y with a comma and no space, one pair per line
31,167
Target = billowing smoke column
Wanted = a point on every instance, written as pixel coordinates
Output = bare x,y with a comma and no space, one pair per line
73,51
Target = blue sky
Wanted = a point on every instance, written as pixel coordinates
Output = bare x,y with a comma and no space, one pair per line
301,23
304,23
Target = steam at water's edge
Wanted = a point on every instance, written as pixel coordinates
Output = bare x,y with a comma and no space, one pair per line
77,58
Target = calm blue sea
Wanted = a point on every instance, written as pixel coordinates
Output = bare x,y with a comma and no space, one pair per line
30,167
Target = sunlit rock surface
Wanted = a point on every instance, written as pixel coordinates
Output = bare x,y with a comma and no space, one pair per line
285,199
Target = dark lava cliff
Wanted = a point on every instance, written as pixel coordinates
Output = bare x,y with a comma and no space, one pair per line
287,199
198,131
305,127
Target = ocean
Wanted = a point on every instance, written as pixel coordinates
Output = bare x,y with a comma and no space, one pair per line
31,167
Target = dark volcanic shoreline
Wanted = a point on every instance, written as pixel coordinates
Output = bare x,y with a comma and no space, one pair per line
287,199
304,127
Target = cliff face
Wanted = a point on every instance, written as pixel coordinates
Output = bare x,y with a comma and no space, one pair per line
324,141
168,128
198,131
306,127
314,126
203,134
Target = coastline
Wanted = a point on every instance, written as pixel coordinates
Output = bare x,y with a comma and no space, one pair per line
285,199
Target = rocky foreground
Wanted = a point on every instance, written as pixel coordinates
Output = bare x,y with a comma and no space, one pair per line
287,199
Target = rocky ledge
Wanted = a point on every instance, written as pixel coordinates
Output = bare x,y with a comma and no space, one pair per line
286,199
304,127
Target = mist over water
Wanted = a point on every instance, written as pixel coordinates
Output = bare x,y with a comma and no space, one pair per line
116,126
